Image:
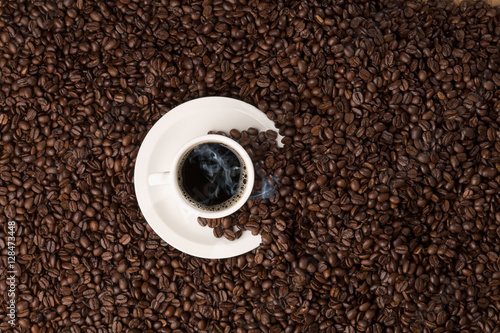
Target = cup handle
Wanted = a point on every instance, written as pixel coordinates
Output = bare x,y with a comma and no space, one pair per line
159,178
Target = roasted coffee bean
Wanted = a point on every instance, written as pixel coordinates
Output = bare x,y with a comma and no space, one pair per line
229,234
227,222
218,231
202,221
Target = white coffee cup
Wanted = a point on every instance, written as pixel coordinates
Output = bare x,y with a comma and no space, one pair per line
173,175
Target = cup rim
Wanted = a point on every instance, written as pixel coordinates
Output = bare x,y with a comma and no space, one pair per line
234,145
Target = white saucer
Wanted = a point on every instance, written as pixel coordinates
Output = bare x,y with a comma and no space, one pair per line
185,122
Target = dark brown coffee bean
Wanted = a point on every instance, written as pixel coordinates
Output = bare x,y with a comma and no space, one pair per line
202,221
234,133
227,222
280,224
271,135
125,239
299,185
10,211
218,231
3,119
229,234
212,223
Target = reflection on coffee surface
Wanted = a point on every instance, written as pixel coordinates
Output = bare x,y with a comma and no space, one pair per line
211,174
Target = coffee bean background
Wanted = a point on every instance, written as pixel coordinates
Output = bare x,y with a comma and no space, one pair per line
390,112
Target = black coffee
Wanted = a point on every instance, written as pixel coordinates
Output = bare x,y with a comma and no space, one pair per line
211,174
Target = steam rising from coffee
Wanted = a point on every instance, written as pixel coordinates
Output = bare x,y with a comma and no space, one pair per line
212,173
218,168
267,189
